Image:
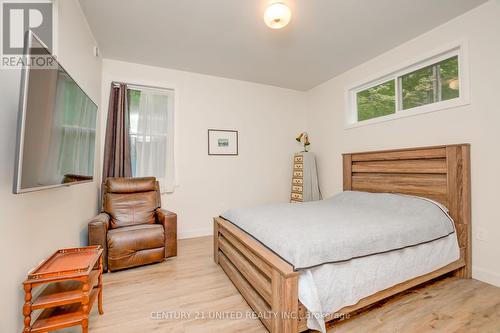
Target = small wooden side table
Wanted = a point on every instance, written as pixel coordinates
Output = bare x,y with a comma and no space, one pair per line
72,280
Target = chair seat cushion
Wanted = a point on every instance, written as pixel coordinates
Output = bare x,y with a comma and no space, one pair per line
126,241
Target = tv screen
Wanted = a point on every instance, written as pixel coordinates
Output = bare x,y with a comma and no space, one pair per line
56,125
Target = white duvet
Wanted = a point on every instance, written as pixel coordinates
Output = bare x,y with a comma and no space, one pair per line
346,226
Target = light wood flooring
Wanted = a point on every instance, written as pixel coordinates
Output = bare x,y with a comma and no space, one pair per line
192,286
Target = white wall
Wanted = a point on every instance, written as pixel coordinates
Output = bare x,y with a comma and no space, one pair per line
267,118
477,123
33,225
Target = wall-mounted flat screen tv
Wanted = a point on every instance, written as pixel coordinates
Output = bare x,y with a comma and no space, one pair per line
56,125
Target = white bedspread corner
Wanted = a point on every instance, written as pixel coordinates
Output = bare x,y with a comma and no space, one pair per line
328,288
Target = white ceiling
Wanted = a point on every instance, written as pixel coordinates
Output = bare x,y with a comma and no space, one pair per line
229,38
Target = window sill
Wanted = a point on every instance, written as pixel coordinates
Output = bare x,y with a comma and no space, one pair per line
412,112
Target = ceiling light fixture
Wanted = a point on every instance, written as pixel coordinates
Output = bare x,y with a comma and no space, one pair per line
277,15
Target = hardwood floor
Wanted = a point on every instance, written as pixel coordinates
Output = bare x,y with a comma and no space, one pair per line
191,285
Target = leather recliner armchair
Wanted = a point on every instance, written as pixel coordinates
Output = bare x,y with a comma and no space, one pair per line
132,228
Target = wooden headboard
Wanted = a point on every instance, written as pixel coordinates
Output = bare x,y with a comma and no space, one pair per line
441,173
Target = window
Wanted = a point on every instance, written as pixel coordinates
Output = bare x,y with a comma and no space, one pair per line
377,101
433,84
151,134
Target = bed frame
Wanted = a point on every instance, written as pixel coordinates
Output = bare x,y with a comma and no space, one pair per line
270,285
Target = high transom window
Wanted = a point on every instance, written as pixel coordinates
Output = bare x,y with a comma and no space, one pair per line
430,85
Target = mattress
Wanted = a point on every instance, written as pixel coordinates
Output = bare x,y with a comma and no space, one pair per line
328,288
348,225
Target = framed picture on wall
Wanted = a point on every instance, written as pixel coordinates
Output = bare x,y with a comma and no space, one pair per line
222,142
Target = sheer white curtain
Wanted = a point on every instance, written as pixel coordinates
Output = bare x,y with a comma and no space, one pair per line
152,137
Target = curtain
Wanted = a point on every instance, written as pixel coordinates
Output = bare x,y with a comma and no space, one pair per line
152,139
117,162
72,140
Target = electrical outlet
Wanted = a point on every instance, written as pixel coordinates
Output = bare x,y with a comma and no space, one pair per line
481,234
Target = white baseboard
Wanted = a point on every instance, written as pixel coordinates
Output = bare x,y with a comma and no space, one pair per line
486,276
193,233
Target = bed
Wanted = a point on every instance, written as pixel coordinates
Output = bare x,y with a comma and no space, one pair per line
270,284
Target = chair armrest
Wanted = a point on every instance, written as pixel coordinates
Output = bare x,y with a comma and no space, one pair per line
98,229
169,222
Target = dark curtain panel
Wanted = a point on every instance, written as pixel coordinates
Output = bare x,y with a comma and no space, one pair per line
117,145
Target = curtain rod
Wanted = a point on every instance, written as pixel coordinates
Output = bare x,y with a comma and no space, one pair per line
139,86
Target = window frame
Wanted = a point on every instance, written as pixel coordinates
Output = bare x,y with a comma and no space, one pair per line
458,49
